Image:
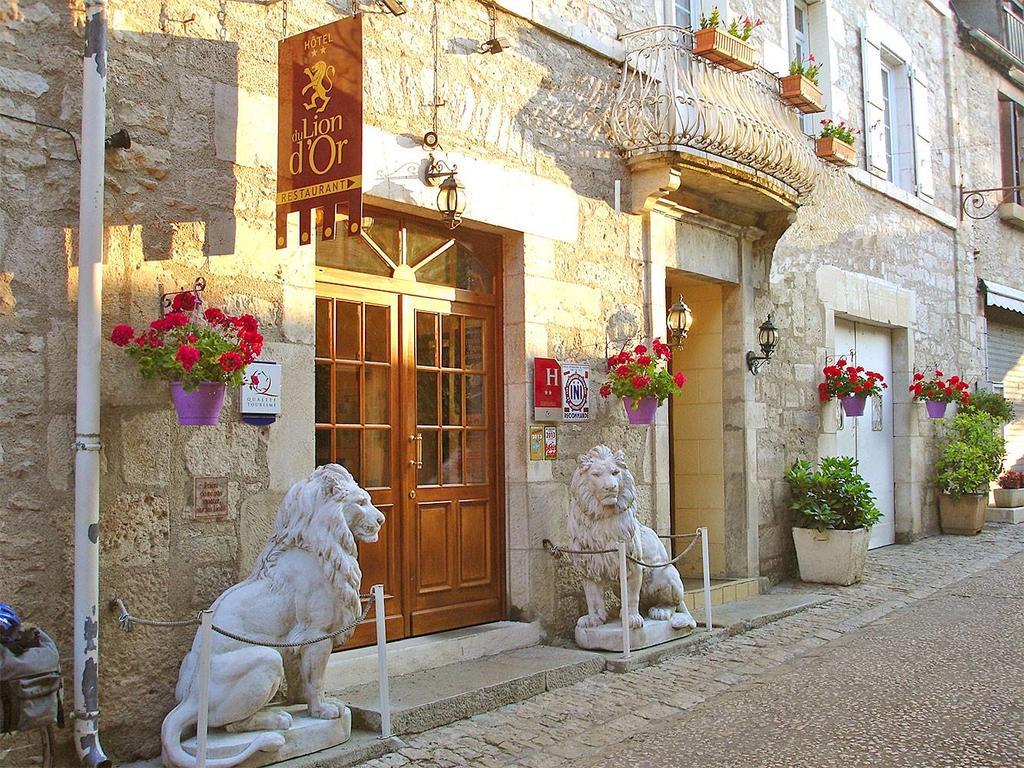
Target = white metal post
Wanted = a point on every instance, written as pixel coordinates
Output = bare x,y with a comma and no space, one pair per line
706,568
203,716
383,686
624,597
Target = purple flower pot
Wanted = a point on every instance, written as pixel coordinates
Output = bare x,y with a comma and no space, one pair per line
201,406
853,405
645,411
935,409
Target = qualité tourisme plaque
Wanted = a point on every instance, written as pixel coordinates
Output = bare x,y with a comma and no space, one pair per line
320,128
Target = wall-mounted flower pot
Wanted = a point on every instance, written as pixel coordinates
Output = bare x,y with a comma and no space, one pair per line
801,93
1008,498
936,410
853,405
723,49
831,557
962,515
644,412
832,150
201,406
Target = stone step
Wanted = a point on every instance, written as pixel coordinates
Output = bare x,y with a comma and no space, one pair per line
434,697
358,666
744,615
1013,515
722,591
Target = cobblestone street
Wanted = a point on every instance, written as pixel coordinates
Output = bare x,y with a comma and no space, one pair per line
781,695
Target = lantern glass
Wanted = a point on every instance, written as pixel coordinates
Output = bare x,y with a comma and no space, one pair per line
768,337
451,199
678,321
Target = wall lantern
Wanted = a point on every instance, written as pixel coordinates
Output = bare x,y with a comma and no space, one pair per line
768,339
451,197
678,322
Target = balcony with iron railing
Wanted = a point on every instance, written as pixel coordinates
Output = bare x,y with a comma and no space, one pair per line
1013,28
727,138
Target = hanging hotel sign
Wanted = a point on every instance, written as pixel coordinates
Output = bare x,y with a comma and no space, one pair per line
547,389
320,128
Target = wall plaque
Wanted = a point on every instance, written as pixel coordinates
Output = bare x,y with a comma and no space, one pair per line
259,398
575,392
210,499
320,128
547,389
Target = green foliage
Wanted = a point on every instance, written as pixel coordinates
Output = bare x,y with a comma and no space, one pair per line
806,67
992,403
972,454
712,21
839,130
834,496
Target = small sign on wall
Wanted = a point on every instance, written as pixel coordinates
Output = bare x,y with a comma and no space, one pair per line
543,442
210,499
547,389
259,399
575,392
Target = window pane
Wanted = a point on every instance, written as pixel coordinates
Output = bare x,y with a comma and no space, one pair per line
427,474
346,451
475,401
323,327
352,253
451,398
377,394
426,339
421,240
683,18
476,457
474,351
384,231
426,397
466,266
377,345
451,466
322,394
323,447
346,330
346,394
377,458
451,341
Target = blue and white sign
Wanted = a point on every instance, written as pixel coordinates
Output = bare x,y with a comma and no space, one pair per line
575,392
259,399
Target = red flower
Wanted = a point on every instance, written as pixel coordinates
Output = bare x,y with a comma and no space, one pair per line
187,356
679,379
623,371
823,396
160,324
966,398
643,360
606,389
122,335
822,388
176,319
247,322
939,373
183,302
918,376
830,370
640,349
230,361
613,361
841,363
214,316
954,379
639,381
252,340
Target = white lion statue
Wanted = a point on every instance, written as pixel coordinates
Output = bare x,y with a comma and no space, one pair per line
602,513
304,584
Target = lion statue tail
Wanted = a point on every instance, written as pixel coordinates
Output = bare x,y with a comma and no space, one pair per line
185,716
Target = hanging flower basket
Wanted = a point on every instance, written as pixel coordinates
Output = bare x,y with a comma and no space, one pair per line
718,46
853,405
799,92
640,411
201,406
935,410
851,385
834,151
640,377
938,392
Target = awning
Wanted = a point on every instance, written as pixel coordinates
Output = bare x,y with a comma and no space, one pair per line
1002,296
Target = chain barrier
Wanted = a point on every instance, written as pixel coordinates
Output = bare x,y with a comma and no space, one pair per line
557,552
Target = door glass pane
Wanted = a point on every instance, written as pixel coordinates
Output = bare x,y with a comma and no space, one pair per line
323,447
451,456
426,397
426,338
377,458
427,474
375,391
476,457
474,351
451,341
346,394
322,393
475,403
346,330
451,398
323,327
346,451
377,345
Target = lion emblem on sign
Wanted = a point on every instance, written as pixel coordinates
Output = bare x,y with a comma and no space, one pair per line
602,512
320,84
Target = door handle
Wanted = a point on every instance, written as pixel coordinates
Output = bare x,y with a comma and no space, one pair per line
419,450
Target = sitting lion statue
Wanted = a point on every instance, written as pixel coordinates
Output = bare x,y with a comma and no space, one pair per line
602,513
304,584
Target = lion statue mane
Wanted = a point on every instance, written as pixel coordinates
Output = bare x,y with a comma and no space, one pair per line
602,513
304,584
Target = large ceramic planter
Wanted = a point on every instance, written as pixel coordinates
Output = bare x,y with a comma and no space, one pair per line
645,411
835,151
831,557
1008,497
962,515
801,93
853,405
201,406
936,410
723,49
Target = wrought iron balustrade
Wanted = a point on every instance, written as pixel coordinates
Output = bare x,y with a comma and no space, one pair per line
1014,27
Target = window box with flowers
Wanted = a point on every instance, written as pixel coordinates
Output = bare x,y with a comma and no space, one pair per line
640,378
200,354
835,143
1010,493
800,88
938,392
730,47
851,385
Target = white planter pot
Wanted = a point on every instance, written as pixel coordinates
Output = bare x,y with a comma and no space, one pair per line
1008,497
831,557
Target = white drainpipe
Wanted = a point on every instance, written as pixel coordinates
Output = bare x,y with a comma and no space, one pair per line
87,429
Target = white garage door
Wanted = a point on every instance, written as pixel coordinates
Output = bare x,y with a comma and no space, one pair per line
1006,371
868,438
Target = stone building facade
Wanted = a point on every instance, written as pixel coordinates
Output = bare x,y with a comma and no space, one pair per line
581,265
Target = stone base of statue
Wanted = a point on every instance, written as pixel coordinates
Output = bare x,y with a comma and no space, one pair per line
306,736
608,637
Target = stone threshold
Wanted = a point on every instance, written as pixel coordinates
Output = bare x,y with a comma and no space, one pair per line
1014,515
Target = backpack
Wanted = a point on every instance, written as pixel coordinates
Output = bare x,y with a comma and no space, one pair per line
31,689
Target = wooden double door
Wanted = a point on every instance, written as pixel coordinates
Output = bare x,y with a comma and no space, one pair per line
407,400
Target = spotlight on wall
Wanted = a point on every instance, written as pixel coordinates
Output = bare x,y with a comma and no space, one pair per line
118,140
494,45
678,322
768,339
451,195
394,7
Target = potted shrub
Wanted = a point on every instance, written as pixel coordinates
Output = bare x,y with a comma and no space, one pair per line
971,457
836,510
1010,492
851,385
835,143
938,392
640,378
200,354
729,47
800,88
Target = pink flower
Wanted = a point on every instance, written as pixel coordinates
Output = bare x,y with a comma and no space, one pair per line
122,335
187,356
